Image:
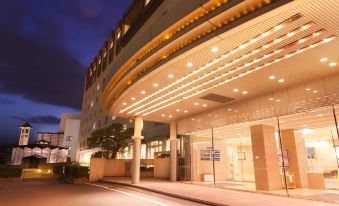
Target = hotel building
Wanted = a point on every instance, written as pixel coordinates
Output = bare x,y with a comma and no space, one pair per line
250,89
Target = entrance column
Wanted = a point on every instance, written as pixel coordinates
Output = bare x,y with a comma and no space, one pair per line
173,141
296,152
265,158
138,124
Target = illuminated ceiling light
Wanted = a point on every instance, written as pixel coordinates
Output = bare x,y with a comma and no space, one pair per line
316,34
308,89
324,59
278,100
278,27
189,64
143,92
193,119
185,111
235,90
163,115
244,92
214,49
320,115
305,27
332,64
204,105
271,98
315,91
178,110
308,131
277,40
133,98
124,103
290,34
196,104
281,80
170,76
266,46
302,40
170,116
265,34
155,85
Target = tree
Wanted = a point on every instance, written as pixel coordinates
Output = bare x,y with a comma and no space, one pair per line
111,139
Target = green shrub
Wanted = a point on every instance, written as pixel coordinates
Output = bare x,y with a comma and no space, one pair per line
6,172
58,169
75,172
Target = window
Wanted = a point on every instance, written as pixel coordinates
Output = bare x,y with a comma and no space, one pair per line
69,138
146,2
118,34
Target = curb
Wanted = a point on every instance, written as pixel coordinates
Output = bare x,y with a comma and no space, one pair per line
165,193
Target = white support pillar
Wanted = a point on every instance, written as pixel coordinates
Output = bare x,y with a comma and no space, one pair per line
173,142
138,124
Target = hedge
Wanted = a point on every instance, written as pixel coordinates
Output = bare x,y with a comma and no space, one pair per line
70,173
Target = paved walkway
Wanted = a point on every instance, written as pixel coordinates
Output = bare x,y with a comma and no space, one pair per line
220,196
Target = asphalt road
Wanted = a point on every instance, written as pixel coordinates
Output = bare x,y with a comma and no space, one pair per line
48,193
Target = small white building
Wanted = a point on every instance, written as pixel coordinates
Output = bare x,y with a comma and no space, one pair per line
50,147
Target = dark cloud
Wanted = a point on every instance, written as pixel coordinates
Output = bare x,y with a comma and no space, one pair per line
36,65
6,101
49,119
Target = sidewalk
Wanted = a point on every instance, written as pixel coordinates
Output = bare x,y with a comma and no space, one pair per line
219,196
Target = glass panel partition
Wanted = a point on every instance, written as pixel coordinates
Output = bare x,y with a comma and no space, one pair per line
309,142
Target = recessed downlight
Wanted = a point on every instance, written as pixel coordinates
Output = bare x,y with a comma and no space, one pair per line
189,64
214,49
163,115
332,64
133,98
185,111
170,76
235,90
178,110
143,92
196,103
155,84
170,116
281,80
272,77
324,59
308,89
244,92
124,103
204,105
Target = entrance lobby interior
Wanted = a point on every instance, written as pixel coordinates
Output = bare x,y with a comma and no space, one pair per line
300,150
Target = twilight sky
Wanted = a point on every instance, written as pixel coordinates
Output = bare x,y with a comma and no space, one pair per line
45,48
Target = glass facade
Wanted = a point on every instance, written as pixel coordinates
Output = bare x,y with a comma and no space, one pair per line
293,155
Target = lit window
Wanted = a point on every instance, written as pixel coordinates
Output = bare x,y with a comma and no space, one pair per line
118,34
146,2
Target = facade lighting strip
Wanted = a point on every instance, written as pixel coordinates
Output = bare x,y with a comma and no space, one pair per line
289,55
231,63
224,56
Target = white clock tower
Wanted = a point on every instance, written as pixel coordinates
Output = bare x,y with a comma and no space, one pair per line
24,133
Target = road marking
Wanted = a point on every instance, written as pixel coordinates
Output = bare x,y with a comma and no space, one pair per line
129,194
